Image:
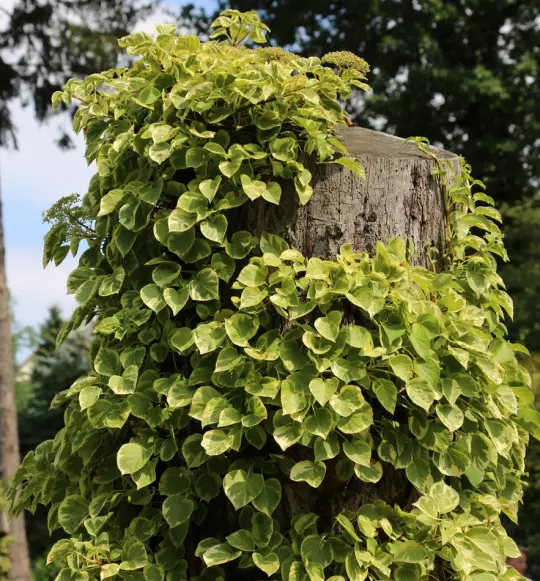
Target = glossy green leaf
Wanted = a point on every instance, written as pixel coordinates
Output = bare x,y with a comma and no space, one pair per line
402,366
204,286
241,328
311,472
208,337
177,509
269,564
165,273
358,450
451,416
71,513
348,400
408,552
323,390
152,297
269,498
418,473
214,228
110,201
215,442
445,497
371,473
88,396
176,299
242,540
193,451
421,393
329,326
107,362
242,487
386,393
220,554
132,457
319,423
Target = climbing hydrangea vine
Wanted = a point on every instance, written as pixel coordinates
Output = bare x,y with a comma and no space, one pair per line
244,395
5,540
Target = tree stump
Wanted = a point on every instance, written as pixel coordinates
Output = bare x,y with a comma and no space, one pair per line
399,197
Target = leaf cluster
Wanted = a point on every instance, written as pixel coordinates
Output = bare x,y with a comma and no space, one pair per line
230,372
5,540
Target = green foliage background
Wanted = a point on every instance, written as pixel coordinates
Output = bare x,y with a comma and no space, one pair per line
43,44
52,371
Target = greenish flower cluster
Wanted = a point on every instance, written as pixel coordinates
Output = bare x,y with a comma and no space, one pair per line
276,53
244,395
347,60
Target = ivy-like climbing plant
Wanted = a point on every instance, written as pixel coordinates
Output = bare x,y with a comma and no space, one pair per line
226,382
5,539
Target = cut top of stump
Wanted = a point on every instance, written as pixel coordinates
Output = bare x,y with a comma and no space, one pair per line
399,197
366,142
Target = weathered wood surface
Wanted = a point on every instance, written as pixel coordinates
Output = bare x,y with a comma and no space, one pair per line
399,197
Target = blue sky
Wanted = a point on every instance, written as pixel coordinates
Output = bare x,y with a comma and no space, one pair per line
32,178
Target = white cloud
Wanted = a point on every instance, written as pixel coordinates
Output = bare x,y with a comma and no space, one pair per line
32,178
39,170
159,16
35,289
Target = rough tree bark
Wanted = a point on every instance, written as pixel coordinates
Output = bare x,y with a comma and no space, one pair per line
9,439
399,197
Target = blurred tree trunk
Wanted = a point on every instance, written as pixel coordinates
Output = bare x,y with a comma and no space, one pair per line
9,441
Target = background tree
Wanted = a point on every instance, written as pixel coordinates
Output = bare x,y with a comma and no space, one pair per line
43,44
24,341
527,532
5,538
522,274
9,442
53,371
